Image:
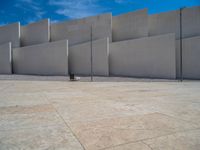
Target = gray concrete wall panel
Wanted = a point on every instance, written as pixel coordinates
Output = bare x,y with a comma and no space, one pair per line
152,57
35,33
191,53
43,59
178,59
163,23
79,31
191,22
5,59
130,25
80,58
10,33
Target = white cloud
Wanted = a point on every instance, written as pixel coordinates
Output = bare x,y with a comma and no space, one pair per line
76,8
33,7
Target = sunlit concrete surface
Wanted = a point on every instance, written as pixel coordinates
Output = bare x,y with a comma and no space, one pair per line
52,113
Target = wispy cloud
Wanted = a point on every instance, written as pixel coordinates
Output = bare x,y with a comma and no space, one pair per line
33,7
76,8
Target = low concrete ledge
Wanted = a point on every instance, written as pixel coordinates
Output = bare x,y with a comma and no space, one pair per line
5,59
80,58
43,59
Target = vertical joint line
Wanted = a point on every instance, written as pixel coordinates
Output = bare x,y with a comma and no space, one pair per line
91,56
181,50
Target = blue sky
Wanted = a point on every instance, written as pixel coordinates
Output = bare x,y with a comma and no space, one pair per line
27,11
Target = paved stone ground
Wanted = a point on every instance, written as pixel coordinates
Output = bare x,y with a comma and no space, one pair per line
39,113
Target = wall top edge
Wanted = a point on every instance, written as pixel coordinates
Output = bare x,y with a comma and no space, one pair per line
11,24
148,37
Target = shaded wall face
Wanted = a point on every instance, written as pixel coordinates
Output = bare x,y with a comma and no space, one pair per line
5,59
164,23
146,57
80,58
42,59
191,22
169,22
191,58
10,33
130,26
35,33
79,31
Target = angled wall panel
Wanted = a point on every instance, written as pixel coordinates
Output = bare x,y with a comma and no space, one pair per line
43,59
80,58
79,31
163,23
152,57
130,25
35,33
5,59
10,33
191,22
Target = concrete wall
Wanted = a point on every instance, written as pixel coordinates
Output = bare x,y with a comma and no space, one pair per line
191,22
10,33
80,58
43,59
130,25
191,58
5,59
169,22
163,23
35,33
152,57
79,31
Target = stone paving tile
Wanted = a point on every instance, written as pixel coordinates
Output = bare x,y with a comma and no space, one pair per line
26,109
21,99
188,140
41,138
114,131
131,146
22,121
94,110
181,110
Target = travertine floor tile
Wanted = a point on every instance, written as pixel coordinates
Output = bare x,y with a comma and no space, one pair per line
188,140
114,131
131,146
41,138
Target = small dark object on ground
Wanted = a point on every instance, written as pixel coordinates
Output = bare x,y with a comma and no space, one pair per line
73,78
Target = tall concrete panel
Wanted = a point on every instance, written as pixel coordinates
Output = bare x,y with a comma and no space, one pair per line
80,58
79,31
43,59
35,33
178,63
130,25
10,33
191,58
191,22
152,57
163,23
5,59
